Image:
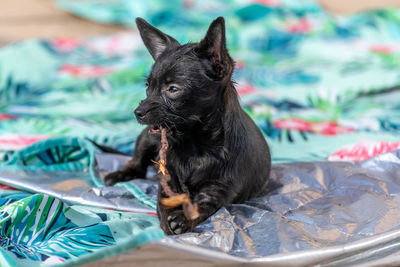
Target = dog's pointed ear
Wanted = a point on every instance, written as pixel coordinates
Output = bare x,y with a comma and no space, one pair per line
213,48
155,40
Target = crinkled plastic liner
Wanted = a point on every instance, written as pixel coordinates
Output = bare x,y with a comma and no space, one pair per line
329,213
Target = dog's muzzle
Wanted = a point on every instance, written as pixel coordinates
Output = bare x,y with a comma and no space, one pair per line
140,113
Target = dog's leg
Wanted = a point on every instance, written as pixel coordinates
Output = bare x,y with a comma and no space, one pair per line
146,149
210,198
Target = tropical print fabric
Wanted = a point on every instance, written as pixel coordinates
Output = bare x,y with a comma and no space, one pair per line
319,87
43,220
37,229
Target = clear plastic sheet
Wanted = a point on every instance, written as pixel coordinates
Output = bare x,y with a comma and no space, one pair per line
329,213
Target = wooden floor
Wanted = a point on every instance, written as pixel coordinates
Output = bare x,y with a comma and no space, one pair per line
21,19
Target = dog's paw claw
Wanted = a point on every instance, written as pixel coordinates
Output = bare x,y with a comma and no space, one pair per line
173,225
178,231
177,223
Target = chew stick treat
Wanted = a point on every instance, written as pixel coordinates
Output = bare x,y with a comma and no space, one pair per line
189,210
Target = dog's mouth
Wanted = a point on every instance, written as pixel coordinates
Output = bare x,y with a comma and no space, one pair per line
156,129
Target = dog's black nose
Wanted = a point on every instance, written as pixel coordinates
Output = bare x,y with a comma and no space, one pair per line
140,113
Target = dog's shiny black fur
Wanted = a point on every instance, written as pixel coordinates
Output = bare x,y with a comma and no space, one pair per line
216,153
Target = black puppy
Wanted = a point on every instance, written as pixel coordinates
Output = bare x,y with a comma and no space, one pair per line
216,153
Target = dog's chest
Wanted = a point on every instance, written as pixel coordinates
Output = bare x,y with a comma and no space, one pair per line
183,163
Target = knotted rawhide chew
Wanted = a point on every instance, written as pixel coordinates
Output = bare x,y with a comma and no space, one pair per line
189,210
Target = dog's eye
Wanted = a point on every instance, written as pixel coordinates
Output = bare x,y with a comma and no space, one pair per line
147,84
173,89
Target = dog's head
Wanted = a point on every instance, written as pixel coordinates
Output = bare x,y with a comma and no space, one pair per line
187,82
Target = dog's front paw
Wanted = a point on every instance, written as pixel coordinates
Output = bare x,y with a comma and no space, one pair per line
120,176
177,223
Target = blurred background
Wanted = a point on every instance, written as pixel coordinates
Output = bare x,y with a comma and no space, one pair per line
315,75
40,18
